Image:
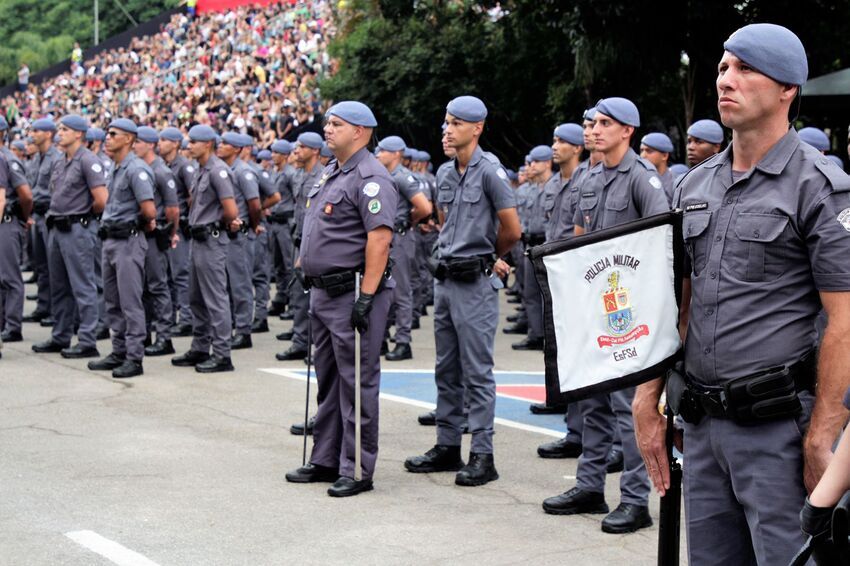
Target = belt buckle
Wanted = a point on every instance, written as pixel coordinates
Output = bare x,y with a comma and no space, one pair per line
215,233
7,218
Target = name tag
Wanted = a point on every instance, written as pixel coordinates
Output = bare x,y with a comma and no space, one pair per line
696,206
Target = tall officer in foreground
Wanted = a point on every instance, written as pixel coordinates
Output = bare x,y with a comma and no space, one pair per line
213,213
158,307
130,213
480,224
348,229
767,235
622,188
79,194
183,172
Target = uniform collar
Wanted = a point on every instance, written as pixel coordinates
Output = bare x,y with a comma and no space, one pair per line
773,162
354,160
628,160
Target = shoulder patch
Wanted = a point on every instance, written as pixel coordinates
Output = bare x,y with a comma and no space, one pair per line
411,179
500,172
844,218
15,166
223,174
190,169
265,175
371,189
171,184
96,167
374,206
655,182
249,176
143,176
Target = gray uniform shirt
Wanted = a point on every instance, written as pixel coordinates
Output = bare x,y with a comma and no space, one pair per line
46,167
73,182
165,195
245,185
346,204
630,192
305,182
668,182
265,181
184,173
213,184
17,173
561,208
131,184
539,198
11,194
470,203
408,187
759,250
286,183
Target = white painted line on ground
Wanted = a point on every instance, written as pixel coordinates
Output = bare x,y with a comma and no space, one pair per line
109,549
423,404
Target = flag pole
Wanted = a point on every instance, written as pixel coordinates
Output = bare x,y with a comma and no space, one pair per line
671,505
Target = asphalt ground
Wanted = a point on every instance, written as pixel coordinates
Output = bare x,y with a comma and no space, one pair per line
178,468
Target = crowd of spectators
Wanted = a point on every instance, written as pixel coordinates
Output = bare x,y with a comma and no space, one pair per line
251,69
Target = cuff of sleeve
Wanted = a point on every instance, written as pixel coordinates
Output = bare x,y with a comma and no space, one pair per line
832,281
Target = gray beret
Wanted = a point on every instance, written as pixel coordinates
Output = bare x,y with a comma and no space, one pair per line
124,124
184,144
512,174
326,151
44,125
658,141
282,146
706,130
678,169
74,122
589,114
236,139
815,137
771,50
570,133
311,140
248,141
621,109
423,156
171,134
264,155
202,133
147,134
95,134
353,112
541,153
19,144
392,143
467,108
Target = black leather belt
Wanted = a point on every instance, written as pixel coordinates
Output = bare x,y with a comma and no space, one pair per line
281,217
64,223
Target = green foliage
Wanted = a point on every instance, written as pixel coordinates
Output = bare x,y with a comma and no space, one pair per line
547,60
43,33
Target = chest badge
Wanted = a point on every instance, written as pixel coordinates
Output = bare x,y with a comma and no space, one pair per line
374,206
329,208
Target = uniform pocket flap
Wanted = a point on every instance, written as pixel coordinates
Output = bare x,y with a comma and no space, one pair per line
759,227
695,223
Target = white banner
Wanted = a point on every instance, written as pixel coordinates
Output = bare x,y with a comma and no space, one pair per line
610,307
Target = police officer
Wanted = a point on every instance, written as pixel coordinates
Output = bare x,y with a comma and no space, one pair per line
240,257
413,206
767,236
347,229
325,155
426,237
282,221
705,138
79,193
212,214
307,157
14,215
623,187
536,223
183,172
130,213
480,224
95,138
160,241
656,148
261,245
46,162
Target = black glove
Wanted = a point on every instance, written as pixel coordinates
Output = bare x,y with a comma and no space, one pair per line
816,521
360,312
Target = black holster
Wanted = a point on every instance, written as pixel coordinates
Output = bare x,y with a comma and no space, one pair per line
162,235
184,228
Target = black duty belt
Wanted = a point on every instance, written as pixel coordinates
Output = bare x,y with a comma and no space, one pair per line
281,217
10,213
64,223
464,270
401,228
41,207
341,282
201,232
118,230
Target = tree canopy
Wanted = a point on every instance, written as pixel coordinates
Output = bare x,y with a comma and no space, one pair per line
537,63
43,33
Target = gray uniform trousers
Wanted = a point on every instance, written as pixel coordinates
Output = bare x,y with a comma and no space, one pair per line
39,259
519,261
72,283
98,277
240,264
157,294
299,304
424,293
532,298
465,319
575,423
211,320
333,337
744,490
282,258
402,253
123,286
11,281
261,275
602,414
179,263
